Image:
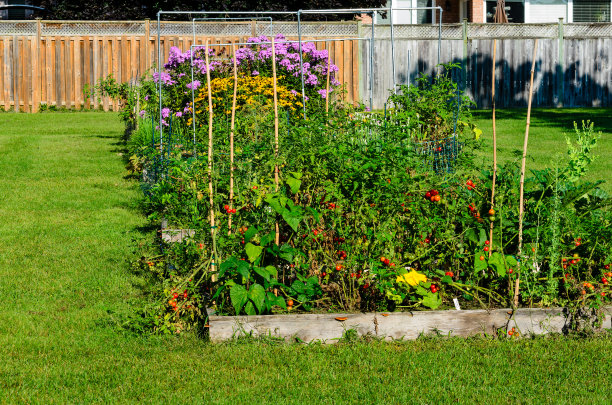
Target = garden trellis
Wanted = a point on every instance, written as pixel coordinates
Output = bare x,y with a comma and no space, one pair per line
256,14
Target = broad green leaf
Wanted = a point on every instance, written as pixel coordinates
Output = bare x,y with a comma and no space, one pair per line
244,269
226,265
267,239
479,265
432,300
293,218
447,280
298,286
511,261
482,237
238,295
263,273
275,203
251,231
257,294
250,309
280,301
253,251
294,184
496,261
471,235
421,290
272,271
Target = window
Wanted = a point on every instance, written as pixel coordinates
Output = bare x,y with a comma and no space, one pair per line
515,10
424,16
591,10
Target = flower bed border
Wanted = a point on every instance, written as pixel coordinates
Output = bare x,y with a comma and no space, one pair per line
329,328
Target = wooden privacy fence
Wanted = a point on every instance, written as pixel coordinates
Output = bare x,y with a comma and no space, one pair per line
42,68
58,63
573,61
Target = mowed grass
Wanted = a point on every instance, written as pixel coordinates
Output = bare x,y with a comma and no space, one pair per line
68,213
547,146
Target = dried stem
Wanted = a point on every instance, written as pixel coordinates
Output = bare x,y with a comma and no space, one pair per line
522,192
494,142
210,157
277,237
232,127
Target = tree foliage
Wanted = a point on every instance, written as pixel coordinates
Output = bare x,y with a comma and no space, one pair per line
140,9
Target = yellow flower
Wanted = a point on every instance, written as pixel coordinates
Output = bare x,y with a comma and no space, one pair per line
413,278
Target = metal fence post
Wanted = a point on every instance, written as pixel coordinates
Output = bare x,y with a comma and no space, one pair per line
465,55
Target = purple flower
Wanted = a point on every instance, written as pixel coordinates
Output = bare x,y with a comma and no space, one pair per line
165,78
142,113
255,73
193,85
323,92
178,114
165,112
146,98
295,93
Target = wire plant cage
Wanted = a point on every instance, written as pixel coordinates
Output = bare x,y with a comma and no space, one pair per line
440,155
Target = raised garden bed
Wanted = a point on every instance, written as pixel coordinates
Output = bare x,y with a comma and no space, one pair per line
330,328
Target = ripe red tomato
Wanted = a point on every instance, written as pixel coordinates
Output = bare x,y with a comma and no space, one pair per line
487,242
486,248
427,240
175,295
437,198
491,212
428,195
434,192
481,257
449,273
323,274
339,267
289,303
510,271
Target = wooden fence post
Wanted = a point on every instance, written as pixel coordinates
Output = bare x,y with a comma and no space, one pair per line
147,44
36,76
560,66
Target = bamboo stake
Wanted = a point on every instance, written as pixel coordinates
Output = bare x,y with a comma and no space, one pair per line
327,84
494,144
210,156
232,127
277,237
521,208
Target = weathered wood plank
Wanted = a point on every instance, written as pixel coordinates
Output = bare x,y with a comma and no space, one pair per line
329,328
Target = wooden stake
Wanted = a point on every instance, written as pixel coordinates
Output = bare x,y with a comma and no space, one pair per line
327,84
276,181
232,127
210,156
522,192
494,144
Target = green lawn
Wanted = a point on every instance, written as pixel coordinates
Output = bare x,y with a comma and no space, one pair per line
68,213
546,137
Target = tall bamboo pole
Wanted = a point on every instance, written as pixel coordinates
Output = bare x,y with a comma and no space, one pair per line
522,192
210,158
232,128
276,180
494,143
